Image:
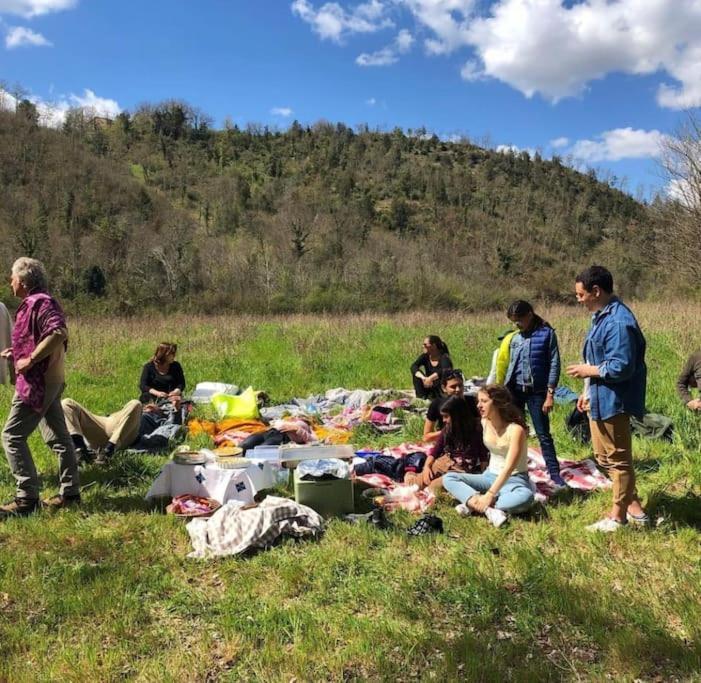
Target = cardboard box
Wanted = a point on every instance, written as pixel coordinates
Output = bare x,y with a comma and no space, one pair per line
328,497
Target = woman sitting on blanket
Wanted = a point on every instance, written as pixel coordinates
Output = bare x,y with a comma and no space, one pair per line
459,446
162,378
452,384
428,368
504,487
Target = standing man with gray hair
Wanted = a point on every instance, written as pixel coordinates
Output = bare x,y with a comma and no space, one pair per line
39,341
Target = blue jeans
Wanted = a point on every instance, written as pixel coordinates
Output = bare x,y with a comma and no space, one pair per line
516,495
541,423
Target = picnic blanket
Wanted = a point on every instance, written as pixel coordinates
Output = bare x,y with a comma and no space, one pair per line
236,528
333,415
579,474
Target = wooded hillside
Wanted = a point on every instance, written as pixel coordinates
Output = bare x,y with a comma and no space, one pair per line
156,208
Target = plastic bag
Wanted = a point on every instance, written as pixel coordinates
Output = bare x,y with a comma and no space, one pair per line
243,407
330,467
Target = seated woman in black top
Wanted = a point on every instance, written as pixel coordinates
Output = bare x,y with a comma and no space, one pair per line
162,377
427,369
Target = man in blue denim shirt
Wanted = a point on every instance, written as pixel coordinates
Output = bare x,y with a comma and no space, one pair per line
533,374
615,376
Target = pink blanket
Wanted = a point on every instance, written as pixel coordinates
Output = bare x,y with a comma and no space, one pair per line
579,474
400,496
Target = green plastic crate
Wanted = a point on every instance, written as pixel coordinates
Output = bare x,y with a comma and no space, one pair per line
330,497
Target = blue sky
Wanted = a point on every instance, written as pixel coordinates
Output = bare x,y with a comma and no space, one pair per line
599,82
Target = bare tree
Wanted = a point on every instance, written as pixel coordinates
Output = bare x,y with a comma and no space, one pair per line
681,213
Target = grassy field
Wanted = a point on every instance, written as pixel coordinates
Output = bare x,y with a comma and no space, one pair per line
106,593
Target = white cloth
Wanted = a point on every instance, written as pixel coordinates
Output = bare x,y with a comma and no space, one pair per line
232,530
211,481
5,342
204,391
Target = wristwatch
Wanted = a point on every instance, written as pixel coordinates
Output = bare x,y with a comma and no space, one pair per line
551,391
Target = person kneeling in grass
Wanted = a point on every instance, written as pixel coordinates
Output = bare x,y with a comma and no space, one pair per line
690,378
459,446
504,487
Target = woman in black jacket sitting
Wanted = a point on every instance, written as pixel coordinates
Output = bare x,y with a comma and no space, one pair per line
162,377
427,369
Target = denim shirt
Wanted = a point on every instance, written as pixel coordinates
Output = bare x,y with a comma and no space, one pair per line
616,345
520,370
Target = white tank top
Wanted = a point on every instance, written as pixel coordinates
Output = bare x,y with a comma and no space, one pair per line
499,448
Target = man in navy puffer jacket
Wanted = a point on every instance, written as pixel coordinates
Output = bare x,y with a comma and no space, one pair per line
533,374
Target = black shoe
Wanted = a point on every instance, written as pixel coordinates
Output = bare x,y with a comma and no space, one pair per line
100,457
375,517
19,507
84,456
104,455
428,524
379,520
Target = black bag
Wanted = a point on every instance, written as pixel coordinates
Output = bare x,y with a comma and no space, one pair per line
577,424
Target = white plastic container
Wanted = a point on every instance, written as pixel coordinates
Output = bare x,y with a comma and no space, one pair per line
293,454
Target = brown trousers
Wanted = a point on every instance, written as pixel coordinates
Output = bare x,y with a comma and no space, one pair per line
612,445
121,427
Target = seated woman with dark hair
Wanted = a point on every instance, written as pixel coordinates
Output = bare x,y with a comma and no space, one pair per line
503,488
428,368
459,446
162,377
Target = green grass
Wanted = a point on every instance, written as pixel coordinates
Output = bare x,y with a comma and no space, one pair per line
106,593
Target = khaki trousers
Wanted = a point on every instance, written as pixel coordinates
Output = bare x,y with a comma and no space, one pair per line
612,445
121,428
21,422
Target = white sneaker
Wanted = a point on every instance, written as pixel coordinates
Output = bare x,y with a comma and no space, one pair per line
638,520
496,517
605,525
463,510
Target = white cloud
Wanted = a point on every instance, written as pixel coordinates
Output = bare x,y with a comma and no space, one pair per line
285,112
513,149
20,36
543,46
404,41
558,143
53,114
35,8
383,57
101,106
389,54
333,22
371,102
621,143
448,20
471,71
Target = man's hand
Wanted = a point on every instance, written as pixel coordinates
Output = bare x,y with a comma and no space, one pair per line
582,370
694,404
6,353
548,404
23,364
582,404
